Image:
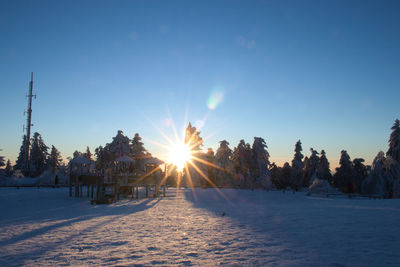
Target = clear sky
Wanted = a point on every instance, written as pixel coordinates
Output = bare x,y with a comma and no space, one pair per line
325,72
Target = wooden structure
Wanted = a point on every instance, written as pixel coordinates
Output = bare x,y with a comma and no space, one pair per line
78,166
122,179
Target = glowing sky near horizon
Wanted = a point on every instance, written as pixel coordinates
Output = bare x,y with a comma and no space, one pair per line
325,72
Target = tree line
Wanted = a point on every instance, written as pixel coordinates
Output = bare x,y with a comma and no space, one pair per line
245,165
41,158
248,166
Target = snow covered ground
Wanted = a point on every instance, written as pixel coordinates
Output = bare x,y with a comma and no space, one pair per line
240,227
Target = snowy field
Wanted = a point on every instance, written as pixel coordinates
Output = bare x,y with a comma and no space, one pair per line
242,228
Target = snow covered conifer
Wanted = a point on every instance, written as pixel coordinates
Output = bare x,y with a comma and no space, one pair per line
323,171
55,159
8,169
260,163
297,173
192,138
38,155
310,167
394,142
239,157
377,181
281,176
248,159
274,171
285,174
20,163
242,158
101,158
2,161
138,152
194,142
223,158
210,158
120,145
76,154
359,174
224,153
384,177
343,176
137,147
88,154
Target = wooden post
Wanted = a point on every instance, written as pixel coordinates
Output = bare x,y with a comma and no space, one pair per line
88,187
137,192
91,193
163,191
147,191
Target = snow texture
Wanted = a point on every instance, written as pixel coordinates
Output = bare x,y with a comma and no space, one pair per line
242,227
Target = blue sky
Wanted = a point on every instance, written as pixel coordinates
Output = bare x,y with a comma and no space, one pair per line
325,72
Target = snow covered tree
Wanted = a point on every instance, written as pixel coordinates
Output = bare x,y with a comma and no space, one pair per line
392,161
101,158
310,167
297,172
2,161
274,171
8,169
394,142
323,171
137,147
260,163
138,152
55,159
77,154
192,138
120,145
194,142
88,154
377,181
223,158
21,164
223,154
283,177
210,158
359,174
343,176
383,179
242,159
38,155
239,157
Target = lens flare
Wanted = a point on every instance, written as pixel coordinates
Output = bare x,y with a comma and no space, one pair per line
215,99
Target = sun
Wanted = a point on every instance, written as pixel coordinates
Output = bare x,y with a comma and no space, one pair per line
179,155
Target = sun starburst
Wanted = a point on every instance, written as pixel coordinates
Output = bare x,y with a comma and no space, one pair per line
179,155
186,158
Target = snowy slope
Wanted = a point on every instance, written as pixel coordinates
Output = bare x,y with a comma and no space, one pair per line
46,227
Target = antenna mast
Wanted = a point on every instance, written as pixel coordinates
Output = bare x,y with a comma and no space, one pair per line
29,124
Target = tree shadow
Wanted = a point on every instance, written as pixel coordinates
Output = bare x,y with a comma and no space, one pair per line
120,209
